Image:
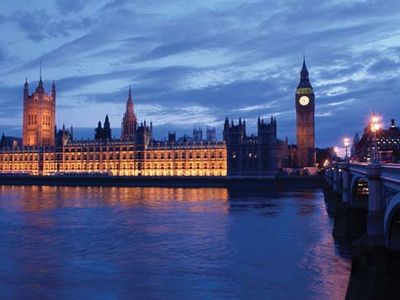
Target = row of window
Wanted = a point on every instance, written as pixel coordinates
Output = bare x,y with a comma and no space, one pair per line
18,157
131,167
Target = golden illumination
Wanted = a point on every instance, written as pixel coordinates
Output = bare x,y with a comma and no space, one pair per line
119,159
375,124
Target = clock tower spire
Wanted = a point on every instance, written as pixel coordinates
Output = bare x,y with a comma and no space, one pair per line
305,114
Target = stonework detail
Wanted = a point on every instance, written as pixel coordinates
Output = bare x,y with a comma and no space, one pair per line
39,116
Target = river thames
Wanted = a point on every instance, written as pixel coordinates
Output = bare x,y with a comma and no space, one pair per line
168,243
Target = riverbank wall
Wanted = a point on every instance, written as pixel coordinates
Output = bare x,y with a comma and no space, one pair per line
239,182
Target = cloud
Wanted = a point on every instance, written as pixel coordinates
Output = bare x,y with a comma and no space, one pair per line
39,25
193,63
71,6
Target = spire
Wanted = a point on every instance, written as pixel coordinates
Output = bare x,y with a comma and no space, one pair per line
26,89
40,85
129,103
304,67
226,121
304,79
53,90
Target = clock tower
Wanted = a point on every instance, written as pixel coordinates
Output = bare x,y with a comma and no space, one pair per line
305,110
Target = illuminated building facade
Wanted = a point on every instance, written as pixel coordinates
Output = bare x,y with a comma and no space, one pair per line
388,144
135,154
305,123
39,116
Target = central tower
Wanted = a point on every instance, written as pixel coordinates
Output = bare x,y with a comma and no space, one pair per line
39,116
129,120
305,112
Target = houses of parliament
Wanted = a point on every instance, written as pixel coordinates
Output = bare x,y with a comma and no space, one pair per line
44,150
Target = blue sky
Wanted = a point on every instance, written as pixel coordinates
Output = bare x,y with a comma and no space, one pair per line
193,63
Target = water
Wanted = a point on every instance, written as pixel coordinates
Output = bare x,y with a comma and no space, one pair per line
167,243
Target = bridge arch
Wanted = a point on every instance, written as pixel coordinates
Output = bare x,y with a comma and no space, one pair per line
392,223
359,192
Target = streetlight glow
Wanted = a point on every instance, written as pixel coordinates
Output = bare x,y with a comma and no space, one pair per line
346,142
375,126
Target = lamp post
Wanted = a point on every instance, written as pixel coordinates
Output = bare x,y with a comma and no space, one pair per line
346,142
375,126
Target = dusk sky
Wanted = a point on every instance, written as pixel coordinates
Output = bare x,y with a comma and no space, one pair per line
192,63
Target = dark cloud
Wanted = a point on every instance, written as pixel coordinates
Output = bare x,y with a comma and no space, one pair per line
39,24
72,6
200,62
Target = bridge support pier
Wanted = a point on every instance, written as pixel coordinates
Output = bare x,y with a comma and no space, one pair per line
336,180
375,201
346,191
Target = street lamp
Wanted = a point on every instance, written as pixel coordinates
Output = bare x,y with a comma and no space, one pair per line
335,151
375,127
346,142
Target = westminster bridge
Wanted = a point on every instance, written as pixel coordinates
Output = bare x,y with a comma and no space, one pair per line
374,188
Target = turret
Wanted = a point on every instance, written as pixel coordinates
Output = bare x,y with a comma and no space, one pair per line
53,90
107,129
26,89
128,124
40,88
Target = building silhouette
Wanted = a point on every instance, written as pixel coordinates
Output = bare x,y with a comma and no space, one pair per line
46,151
211,135
251,155
103,134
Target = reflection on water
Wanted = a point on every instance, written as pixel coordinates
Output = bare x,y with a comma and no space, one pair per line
93,242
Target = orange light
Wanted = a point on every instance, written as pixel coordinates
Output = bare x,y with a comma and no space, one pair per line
375,119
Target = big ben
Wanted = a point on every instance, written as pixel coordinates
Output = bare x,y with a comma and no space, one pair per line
305,111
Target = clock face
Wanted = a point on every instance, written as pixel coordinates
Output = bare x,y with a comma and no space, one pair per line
304,100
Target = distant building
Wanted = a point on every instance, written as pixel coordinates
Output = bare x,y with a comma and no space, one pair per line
211,134
251,155
10,142
197,134
64,136
185,139
388,143
172,136
103,134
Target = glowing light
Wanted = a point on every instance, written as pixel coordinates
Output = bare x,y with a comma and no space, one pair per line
326,163
336,149
346,142
376,124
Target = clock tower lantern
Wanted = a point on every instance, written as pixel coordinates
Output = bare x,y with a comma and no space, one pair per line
305,110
